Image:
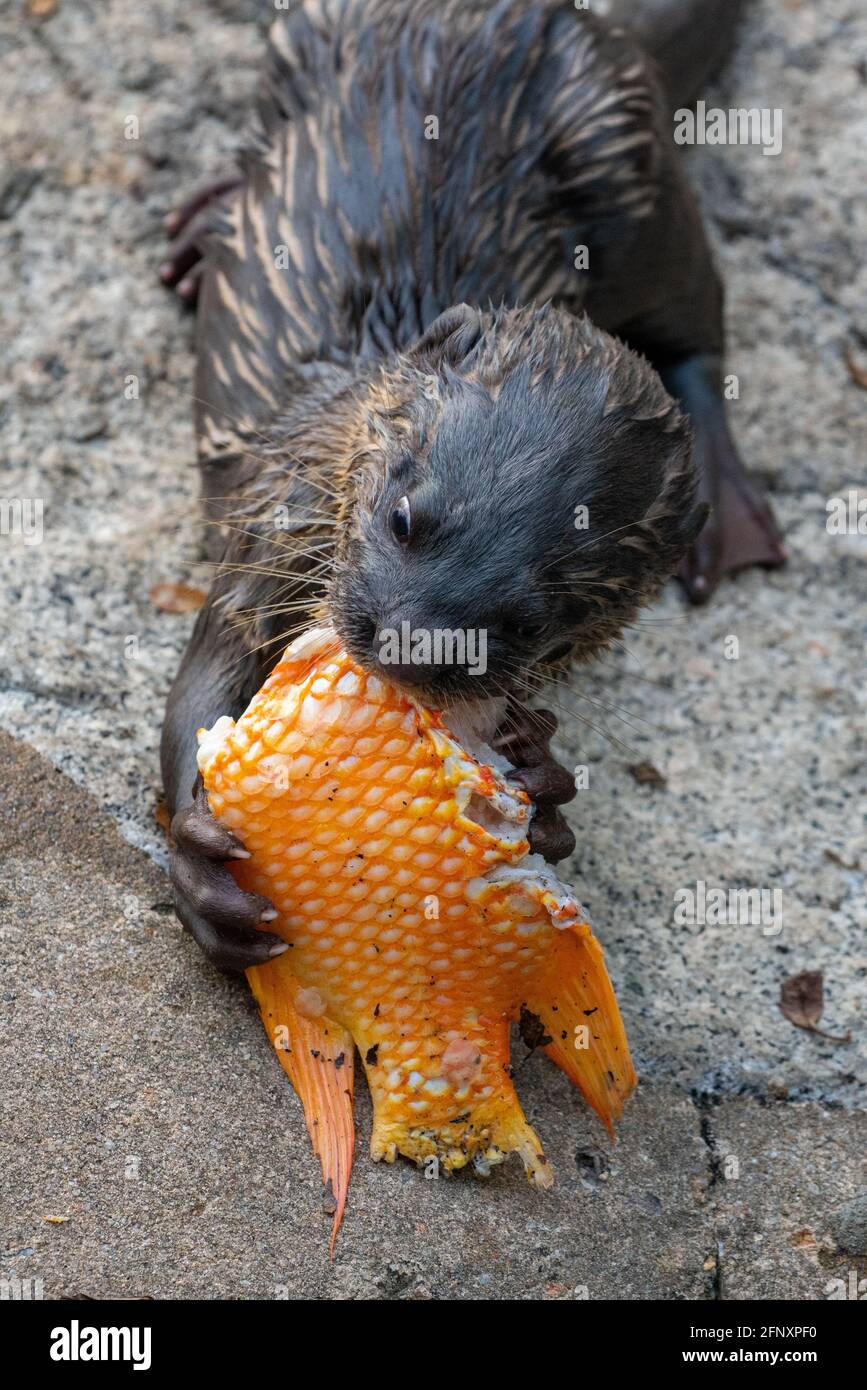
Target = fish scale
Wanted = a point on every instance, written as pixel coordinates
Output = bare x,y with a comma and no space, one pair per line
419,924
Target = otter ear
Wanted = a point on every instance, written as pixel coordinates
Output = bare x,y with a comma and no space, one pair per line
451,337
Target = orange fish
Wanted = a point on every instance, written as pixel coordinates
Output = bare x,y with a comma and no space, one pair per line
419,922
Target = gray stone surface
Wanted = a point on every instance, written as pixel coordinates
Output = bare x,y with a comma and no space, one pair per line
784,1214
121,1042
849,1226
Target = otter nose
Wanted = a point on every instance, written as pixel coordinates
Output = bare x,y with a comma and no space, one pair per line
409,653
406,673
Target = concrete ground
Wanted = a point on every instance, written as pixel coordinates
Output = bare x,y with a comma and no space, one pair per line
141,1100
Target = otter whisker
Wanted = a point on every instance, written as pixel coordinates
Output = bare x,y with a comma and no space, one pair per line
274,610
308,516
559,681
594,540
240,424
521,682
247,505
617,712
225,568
279,543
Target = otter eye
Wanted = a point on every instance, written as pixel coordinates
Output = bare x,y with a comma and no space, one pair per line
400,521
530,630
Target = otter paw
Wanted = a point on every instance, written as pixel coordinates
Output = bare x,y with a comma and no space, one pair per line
220,917
525,740
187,225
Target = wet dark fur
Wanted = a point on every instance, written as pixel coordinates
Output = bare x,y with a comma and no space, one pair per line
315,393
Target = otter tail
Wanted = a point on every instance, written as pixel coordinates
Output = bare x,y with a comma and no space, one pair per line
690,39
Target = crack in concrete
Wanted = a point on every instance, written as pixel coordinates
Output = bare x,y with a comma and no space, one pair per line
704,1104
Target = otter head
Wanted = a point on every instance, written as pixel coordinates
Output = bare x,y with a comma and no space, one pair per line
520,484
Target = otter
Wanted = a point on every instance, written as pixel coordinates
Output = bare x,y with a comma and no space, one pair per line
459,367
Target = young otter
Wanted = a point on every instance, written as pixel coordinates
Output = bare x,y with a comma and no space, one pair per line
376,438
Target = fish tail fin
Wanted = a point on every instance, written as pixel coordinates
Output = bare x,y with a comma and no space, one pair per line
318,1056
586,1038
490,1124
524,1141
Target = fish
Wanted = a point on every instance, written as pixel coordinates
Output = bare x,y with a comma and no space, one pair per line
419,924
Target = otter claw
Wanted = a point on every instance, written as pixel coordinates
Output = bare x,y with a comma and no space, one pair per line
551,836
221,918
175,221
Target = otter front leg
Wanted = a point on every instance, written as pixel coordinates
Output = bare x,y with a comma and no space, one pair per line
188,224
525,740
215,678
741,530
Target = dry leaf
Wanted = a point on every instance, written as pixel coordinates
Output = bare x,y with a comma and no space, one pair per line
802,1001
56,1220
804,1240
857,373
646,775
834,858
176,598
162,816
41,9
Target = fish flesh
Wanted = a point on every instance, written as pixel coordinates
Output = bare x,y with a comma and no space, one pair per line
396,853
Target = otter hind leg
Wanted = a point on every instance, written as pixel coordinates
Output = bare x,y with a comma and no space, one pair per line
689,39
741,530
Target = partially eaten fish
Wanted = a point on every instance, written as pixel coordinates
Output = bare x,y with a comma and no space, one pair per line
419,922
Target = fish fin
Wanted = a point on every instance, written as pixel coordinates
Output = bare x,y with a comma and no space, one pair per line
489,1125
576,993
318,1056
